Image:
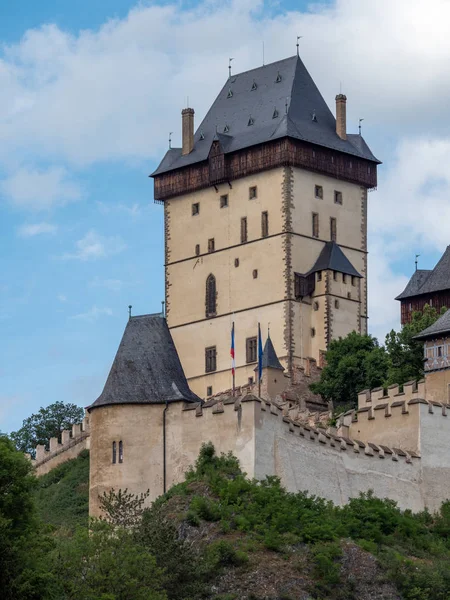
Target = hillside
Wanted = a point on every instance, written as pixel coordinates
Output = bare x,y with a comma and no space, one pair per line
220,536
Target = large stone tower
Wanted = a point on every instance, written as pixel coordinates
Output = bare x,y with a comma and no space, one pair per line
265,211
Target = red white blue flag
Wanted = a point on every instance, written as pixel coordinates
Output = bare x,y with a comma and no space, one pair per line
233,360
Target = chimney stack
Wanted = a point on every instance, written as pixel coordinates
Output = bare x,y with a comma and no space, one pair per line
187,120
341,116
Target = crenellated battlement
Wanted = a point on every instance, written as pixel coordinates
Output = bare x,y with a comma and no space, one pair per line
73,441
411,390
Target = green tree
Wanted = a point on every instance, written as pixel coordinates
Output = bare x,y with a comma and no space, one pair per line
106,563
47,423
406,353
354,363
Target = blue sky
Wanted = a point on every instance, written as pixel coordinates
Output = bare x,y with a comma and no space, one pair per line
90,91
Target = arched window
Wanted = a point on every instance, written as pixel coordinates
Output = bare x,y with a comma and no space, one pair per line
114,452
120,451
211,296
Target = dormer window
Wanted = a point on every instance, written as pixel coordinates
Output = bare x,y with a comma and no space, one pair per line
230,93
226,129
313,117
278,79
254,86
202,136
275,114
250,121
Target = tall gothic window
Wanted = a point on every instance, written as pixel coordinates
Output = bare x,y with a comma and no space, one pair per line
120,451
211,296
114,453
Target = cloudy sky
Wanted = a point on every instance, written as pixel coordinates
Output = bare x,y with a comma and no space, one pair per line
89,91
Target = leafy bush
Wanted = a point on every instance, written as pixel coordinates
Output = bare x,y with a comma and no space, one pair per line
223,553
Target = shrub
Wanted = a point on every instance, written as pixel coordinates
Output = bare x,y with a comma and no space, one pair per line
223,553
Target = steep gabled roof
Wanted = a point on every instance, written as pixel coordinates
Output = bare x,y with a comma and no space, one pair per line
332,257
439,328
424,281
270,358
251,109
146,369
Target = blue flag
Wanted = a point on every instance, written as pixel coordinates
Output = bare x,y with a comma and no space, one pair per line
260,353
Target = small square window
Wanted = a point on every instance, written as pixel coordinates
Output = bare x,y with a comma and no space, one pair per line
197,249
255,273
209,390
337,197
319,275
252,192
211,245
318,191
196,208
224,201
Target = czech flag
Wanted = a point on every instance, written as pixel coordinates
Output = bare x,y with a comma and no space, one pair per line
233,360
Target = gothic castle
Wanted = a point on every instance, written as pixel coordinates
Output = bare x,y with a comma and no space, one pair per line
265,213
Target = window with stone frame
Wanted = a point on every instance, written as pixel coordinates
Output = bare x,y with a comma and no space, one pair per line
318,191
315,224
195,208
197,249
333,229
337,197
264,223
211,245
251,345
210,359
252,192
211,296
121,451
244,236
209,390
114,453
224,201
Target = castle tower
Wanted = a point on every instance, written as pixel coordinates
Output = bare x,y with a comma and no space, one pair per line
269,182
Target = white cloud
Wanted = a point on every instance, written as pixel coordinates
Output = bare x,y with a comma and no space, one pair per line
133,210
114,285
62,297
33,229
35,189
94,246
93,314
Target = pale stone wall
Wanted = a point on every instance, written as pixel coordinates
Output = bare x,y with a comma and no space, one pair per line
437,386
72,443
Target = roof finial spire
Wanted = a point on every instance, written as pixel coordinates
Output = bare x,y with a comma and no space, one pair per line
229,66
129,311
170,140
417,262
162,308
287,104
299,37
360,121
268,330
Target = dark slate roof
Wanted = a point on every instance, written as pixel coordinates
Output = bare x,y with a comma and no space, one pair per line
425,282
266,106
439,327
270,358
332,257
146,369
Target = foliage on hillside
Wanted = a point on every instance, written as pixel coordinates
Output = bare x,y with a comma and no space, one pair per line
359,362
62,495
221,536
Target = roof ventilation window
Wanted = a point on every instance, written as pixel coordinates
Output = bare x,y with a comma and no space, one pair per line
202,135
275,113
230,93
250,121
314,117
278,79
254,86
226,129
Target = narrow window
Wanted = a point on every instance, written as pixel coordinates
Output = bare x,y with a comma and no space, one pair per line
315,225
209,390
114,453
121,452
210,359
250,381
344,278
211,296
313,332
224,201
211,245
337,197
318,191
250,349
353,280
252,192
316,306
336,304
368,170
319,275
197,249
335,275
350,164
236,262
243,230
349,295
333,226
195,208
439,350
264,224
255,273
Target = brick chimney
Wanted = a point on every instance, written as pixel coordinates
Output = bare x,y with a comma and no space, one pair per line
187,120
341,116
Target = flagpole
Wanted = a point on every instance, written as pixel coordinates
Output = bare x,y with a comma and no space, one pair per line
233,360
259,360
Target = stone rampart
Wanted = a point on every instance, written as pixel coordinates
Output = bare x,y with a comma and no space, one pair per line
72,443
412,390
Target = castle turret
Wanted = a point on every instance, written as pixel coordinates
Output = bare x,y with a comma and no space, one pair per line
273,380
